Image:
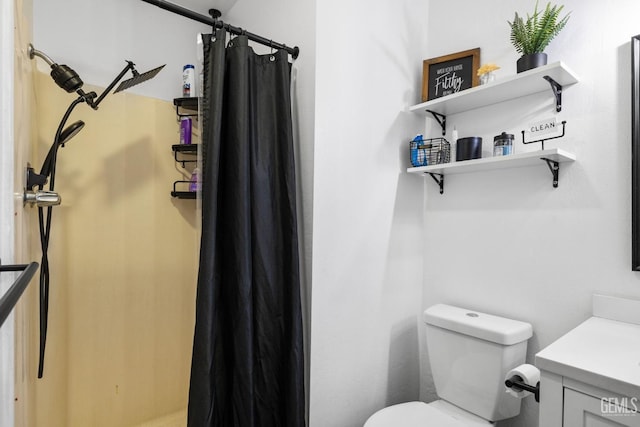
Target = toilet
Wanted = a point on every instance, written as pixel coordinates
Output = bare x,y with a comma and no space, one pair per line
470,353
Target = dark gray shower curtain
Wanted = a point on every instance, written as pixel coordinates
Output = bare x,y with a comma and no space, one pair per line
248,366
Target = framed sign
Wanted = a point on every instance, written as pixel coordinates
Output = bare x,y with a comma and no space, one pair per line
450,74
635,153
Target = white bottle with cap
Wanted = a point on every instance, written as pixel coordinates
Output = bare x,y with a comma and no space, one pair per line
188,81
454,139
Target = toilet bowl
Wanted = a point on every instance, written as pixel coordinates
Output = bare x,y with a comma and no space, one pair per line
470,354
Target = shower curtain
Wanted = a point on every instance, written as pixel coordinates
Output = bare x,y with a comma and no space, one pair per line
247,368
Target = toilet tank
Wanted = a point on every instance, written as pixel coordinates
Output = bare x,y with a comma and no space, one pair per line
470,353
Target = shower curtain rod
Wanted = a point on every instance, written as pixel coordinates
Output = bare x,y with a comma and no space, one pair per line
214,22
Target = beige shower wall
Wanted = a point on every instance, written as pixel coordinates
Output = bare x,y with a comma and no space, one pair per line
123,257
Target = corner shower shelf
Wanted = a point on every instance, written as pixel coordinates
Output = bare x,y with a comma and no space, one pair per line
183,194
552,157
191,149
556,76
186,107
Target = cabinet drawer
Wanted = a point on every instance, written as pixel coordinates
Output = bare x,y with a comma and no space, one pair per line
582,410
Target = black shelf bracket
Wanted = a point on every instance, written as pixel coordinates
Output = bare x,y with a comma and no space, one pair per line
183,194
554,167
185,149
441,119
557,92
182,161
439,179
564,122
186,107
181,114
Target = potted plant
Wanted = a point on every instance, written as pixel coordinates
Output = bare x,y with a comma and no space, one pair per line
531,36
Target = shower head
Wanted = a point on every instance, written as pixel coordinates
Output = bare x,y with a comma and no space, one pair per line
138,78
68,133
69,80
71,131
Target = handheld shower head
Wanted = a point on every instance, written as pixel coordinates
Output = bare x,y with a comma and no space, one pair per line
70,131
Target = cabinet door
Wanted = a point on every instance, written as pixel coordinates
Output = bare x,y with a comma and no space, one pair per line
582,410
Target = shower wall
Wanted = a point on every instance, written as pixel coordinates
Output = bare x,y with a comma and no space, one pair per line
123,258
23,137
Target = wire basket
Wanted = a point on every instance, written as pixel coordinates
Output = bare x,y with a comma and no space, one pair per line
426,152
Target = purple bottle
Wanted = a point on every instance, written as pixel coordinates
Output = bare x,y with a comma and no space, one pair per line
194,185
185,130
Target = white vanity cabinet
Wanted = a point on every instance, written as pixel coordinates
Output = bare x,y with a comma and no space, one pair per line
581,409
591,375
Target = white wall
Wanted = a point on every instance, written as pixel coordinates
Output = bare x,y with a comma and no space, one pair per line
95,38
507,242
367,227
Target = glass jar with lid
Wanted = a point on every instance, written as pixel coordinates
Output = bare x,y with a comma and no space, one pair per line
503,144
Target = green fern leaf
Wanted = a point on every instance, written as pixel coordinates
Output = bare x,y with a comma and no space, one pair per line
535,33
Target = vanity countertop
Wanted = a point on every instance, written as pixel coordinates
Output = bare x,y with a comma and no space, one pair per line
602,352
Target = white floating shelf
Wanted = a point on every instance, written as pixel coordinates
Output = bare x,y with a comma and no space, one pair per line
502,89
553,157
531,158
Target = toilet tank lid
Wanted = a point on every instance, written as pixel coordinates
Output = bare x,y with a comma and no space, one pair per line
480,325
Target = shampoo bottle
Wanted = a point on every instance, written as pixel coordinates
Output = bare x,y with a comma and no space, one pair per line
185,130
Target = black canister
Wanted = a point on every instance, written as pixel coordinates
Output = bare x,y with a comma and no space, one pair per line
469,148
